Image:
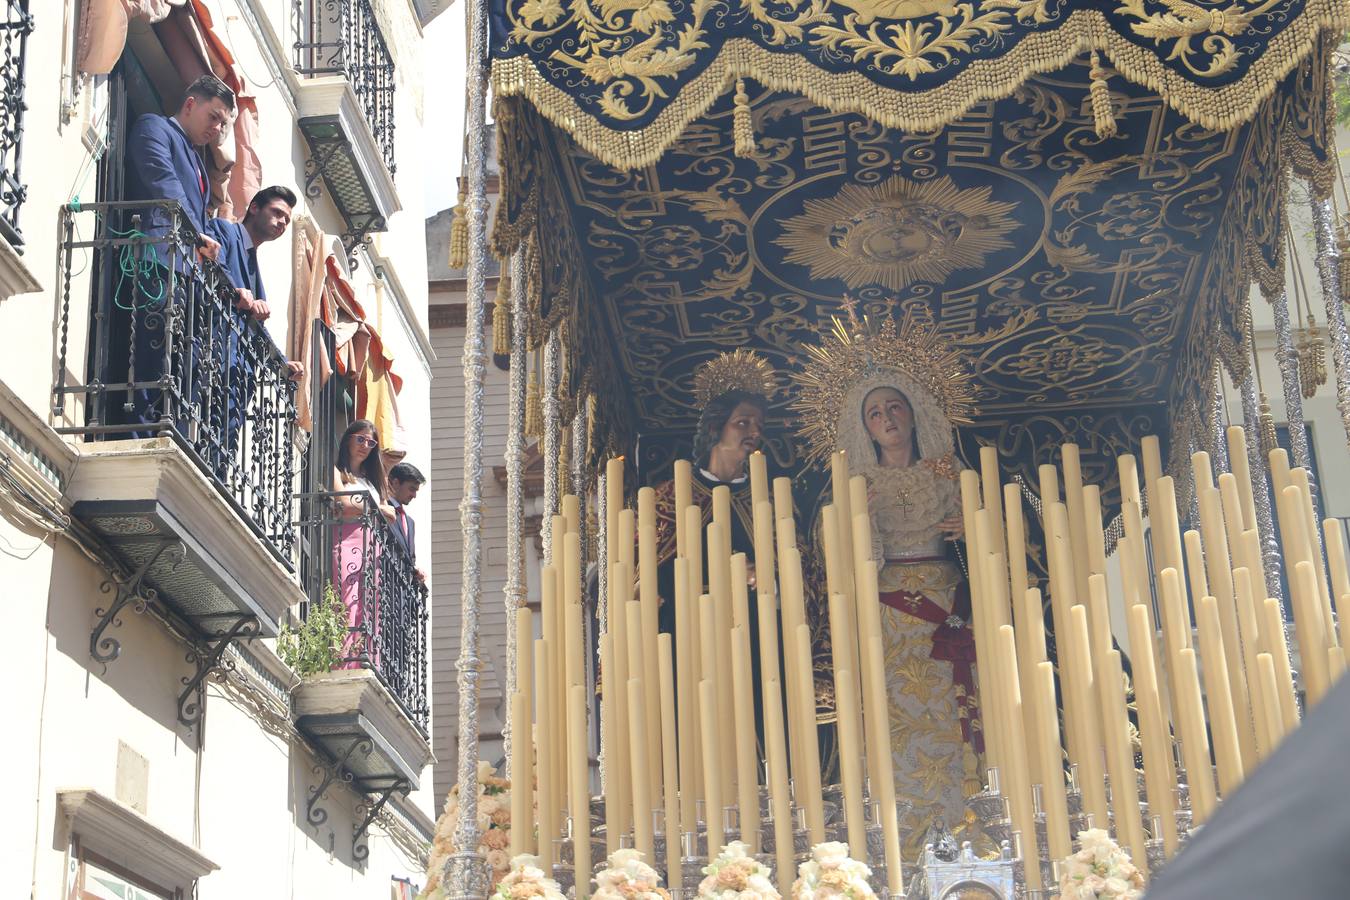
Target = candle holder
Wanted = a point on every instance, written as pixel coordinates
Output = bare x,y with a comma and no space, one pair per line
1154,849
768,840
832,807
731,828
876,850
563,871
801,836
691,860
988,803
658,860
626,841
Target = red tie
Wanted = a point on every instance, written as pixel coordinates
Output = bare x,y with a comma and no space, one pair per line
402,523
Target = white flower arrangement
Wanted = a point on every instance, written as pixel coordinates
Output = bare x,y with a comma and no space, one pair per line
627,877
526,881
494,826
736,875
1100,870
831,872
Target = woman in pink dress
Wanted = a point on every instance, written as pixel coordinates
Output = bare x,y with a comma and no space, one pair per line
359,482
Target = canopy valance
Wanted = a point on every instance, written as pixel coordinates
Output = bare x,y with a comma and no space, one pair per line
624,78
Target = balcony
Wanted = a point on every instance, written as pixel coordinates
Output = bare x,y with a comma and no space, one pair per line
187,413
346,113
15,26
370,713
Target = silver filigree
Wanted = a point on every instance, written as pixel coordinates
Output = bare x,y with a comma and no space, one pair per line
1328,270
552,440
1286,356
1256,463
515,499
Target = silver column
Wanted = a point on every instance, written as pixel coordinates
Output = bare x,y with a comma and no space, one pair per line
552,440
515,499
465,873
1265,522
1218,422
1329,271
1287,358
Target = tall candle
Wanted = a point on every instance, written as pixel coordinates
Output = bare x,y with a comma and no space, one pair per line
1250,639
627,538
1152,457
1176,627
1166,528
991,487
1194,739
619,628
548,751
639,669
765,580
686,707
843,631
1087,721
650,606
1312,644
712,764
1274,643
850,752
522,775
1053,795
1237,463
780,800
642,782
1061,601
1120,758
684,497
1336,561
613,503
1154,735
1017,550
782,502
580,782
1270,699
839,478
809,795
746,758
719,586
759,478
1299,478
883,787
1223,726
1073,500
525,655
571,511
693,544
1016,778
613,748
669,762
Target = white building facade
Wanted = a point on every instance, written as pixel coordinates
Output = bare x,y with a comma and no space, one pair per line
163,747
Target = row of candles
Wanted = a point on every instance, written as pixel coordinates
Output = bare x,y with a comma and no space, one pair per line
1238,712
677,711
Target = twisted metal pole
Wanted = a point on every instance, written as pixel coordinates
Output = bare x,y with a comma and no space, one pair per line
515,498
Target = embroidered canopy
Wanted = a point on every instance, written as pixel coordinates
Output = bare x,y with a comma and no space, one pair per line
1078,194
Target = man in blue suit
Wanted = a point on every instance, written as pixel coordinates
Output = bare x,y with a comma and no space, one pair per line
404,482
157,279
267,218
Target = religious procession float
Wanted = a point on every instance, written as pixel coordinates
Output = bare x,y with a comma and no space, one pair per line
878,354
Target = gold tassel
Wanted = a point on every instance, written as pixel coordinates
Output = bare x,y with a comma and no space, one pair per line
1312,360
534,409
1100,95
459,237
742,127
501,317
564,470
1269,440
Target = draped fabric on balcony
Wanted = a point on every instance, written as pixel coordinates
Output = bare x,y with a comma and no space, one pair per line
1078,193
323,293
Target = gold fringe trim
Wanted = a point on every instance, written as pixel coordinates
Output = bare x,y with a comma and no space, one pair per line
501,317
1218,108
459,237
1312,360
1103,118
743,127
534,408
1269,440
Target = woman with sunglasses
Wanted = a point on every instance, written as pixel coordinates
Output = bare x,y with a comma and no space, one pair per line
359,481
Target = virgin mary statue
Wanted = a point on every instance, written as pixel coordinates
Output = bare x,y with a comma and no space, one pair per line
889,396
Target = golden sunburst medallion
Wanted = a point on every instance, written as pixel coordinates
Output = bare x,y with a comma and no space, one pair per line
898,232
737,370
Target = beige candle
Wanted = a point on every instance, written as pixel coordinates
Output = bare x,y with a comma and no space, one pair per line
639,669
759,478
550,815
1270,698
571,511
684,498
522,775
1335,541
883,788
1195,564
1061,600
1223,726
646,510
790,584
1250,639
613,503
746,759
1154,735
1194,739
1335,664
669,762
524,637
1152,457
765,580
874,704
627,549
719,587
622,582
687,708
1016,778
850,753
1074,501
775,742
1312,643
1120,759
809,791
557,529
580,783
613,749
839,478
1166,529
650,605
1299,478
1087,718
1274,643
642,781
693,544
721,514
1176,620
991,491
1099,620
1053,795
1237,463
1017,550
782,502
843,633
712,764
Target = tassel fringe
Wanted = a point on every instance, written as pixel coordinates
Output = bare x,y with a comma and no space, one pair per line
459,238
1269,440
1312,360
742,126
1343,244
1103,118
534,409
501,318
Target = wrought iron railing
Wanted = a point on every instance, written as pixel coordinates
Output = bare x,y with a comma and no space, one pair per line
169,355
15,27
382,595
342,37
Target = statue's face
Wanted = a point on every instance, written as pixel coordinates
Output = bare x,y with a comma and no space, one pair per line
744,429
889,418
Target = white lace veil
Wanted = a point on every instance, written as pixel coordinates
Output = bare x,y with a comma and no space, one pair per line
932,429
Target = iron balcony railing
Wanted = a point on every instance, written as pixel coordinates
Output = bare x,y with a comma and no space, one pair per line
15,27
169,355
342,37
382,595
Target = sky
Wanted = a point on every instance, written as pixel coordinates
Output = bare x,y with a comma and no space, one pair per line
443,108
